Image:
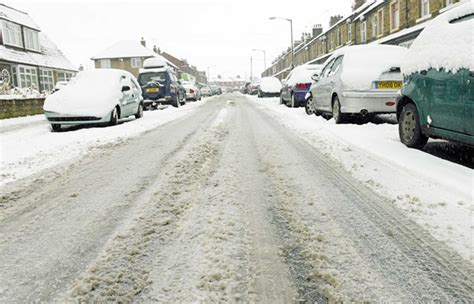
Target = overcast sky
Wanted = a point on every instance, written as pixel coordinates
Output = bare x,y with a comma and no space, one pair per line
219,34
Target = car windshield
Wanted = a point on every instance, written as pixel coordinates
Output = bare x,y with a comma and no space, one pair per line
145,78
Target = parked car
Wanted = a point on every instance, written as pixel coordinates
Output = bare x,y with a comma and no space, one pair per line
359,80
215,90
205,90
297,84
253,88
245,89
437,99
269,87
95,97
192,91
160,85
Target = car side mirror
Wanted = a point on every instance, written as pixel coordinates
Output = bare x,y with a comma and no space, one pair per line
315,77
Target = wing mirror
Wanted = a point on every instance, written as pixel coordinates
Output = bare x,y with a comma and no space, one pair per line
315,77
125,88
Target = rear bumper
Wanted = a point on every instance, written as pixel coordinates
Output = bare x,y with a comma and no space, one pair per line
369,101
67,119
300,96
149,102
191,95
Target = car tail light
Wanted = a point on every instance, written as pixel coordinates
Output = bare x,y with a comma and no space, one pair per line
390,103
191,91
301,86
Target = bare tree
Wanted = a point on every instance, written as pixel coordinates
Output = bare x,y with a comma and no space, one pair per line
334,19
357,3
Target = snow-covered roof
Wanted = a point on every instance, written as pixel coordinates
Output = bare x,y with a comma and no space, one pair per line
366,8
14,15
50,56
125,49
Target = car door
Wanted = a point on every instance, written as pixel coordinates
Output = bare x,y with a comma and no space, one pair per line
322,88
137,96
286,87
444,93
128,97
469,103
334,80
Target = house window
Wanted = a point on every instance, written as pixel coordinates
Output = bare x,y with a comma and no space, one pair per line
331,41
136,63
363,31
380,23
27,77
46,80
394,15
339,37
11,34
425,8
105,64
31,39
449,2
65,76
349,32
374,26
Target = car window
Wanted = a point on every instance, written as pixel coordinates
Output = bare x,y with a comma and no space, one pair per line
462,19
327,69
336,65
134,85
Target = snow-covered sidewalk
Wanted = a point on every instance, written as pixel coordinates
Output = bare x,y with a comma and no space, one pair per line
436,193
27,145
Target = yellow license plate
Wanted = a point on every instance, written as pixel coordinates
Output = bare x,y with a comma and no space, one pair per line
152,90
388,85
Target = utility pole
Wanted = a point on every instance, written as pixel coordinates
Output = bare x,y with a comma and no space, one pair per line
291,36
251,68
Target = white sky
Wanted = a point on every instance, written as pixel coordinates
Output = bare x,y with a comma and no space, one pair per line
209,33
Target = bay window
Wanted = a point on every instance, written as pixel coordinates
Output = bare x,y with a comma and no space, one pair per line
27,77
46,80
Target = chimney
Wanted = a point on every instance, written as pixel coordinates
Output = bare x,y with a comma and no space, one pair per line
317,30
143,42
156,50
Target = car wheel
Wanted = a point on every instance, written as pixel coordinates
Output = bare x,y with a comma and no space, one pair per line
409,128
309,107
139,111
56,127
294,104
114,117
336,111
177,102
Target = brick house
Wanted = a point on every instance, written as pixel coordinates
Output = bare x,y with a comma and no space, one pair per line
126,55
396,22
185,67
28,58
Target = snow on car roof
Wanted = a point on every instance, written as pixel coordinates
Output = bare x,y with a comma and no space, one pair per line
445,43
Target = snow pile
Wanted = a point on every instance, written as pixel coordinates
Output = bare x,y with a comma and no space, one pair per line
91,93
362,64
270,85
447,42
155,62
21,93
303,73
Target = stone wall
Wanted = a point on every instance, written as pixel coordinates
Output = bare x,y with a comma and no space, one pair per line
10,108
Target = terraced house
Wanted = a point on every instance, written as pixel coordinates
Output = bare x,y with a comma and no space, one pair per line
396,22
28,58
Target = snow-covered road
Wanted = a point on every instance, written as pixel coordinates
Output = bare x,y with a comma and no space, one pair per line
235,200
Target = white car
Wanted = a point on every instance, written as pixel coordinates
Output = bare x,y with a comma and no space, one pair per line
205,90
359,80
192,91
269,87
95,97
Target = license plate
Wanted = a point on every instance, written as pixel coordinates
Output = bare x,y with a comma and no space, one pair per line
388,85
152,90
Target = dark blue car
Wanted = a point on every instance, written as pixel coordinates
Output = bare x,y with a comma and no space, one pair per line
161,86
297,84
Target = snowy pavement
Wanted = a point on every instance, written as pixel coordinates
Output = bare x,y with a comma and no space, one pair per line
27,145
436,193
223,204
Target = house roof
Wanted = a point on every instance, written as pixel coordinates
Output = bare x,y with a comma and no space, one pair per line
50,56
17,16
125,49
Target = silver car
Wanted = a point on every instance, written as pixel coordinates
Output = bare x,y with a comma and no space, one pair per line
358,80
95,97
